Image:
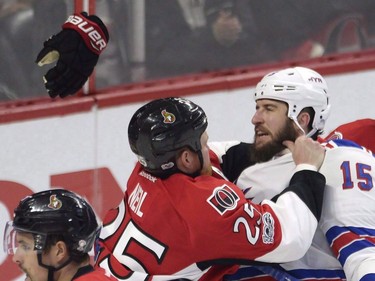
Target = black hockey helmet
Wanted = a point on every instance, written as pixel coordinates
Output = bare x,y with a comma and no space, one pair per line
57,212
161,128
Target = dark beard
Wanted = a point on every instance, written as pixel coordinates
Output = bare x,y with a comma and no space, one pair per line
269,150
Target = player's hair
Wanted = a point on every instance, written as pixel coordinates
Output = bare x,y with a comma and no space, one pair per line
160,129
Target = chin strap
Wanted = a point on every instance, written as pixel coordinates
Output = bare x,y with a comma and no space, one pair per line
50,274
198,172
309,134
51,269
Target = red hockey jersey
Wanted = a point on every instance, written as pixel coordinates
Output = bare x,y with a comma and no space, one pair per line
361,131
199,228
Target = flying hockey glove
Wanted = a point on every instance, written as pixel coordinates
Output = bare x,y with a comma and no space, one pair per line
76,49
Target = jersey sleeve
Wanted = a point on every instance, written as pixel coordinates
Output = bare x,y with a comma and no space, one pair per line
348,219
276,232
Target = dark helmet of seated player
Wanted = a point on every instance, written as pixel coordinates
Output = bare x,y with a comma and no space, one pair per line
160,129
54,213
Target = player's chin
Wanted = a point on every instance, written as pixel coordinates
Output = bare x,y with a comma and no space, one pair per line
260,142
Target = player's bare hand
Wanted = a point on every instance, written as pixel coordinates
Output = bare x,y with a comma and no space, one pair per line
306,151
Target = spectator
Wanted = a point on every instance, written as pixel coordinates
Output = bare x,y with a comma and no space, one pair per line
304,29
165,26
229,39
24,24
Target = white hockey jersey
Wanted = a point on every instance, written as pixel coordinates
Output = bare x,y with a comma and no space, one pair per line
346,236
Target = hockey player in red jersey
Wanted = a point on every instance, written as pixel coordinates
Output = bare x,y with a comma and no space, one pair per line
51,235
287,102
180,220
361,131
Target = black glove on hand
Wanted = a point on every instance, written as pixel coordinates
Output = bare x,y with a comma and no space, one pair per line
76,48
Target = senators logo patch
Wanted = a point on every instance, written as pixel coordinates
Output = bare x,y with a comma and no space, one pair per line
54,203
223,199
169,118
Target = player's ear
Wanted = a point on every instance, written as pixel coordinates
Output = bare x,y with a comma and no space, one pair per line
186,161
304,120
58,253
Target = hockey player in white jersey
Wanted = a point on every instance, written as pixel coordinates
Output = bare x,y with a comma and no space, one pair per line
287,102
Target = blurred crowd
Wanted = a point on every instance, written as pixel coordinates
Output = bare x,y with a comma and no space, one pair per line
153,39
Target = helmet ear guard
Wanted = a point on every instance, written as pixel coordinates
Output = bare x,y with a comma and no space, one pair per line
299,87
323,116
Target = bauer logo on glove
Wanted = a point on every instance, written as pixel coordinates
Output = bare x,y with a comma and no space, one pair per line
76,49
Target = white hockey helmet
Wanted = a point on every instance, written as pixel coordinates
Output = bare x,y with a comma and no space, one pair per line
299,87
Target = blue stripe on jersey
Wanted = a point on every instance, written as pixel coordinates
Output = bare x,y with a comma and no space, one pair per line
322,274
349,143
245,272
361,238
368,277
344,142
279,273
352,248
335,231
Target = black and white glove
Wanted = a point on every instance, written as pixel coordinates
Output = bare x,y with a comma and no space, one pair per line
76,49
